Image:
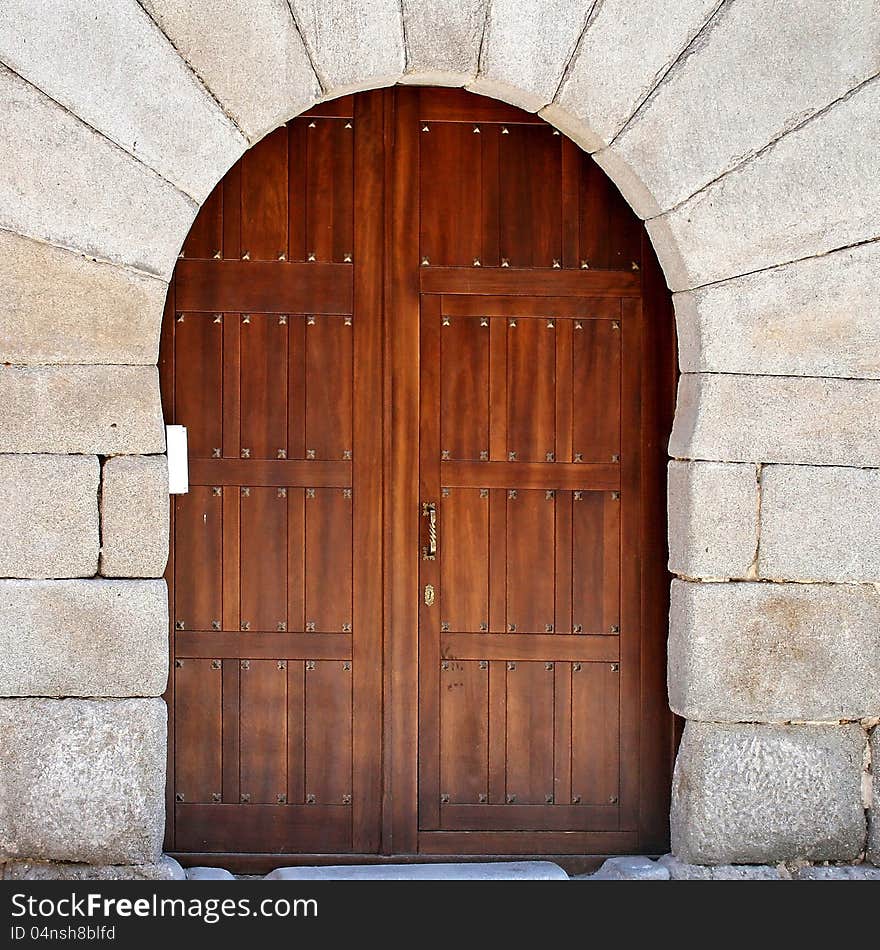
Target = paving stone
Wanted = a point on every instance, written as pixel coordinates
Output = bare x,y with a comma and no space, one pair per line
752,652
49,508
763,794
102,410
82,780
838,872
208,874
630,869
816,317
134,516
777,419
165,869
679,871
247,52
495,871
83,638
820,523
874,789
72,187
626,48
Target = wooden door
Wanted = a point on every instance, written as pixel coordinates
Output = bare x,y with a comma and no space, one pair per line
424,355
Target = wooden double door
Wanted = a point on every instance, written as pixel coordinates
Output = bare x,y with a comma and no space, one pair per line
424,356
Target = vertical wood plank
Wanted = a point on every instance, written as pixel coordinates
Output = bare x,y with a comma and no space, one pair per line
531,526
572,163
232,213
264,212
531,389
297,180
562,726
529,732
296,733
264,731
205,238
330,189
264,385
597,375
198,563
464,388
328,558
498,439
564,390
367,474
497,732
231,439
296,386
490,138
231,618
231,733
464,559
198,730
564,562
264,552
328,732
329,378
464,731
596,559
595,738
296,548
198,362
497,560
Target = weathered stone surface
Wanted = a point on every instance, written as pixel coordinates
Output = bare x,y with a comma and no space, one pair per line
816,317
874,814
679,871
82,780
739,87
443,40
774,652
496,871
713,519
626,48
804,196
352,45
820,523
247,52
74,188
777,419
59,307
49,507
134,516
108,63
165,869
525,49
838,872
106,410
83,638
633,868
761,794
209,874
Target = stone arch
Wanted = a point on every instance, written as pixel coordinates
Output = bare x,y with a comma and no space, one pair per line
119,117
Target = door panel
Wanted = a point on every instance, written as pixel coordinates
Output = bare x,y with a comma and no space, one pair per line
408,302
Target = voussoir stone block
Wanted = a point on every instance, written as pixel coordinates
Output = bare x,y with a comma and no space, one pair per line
525,50
83,638
57,306
820,523
82,780
874,815
805,195
737,418
713,519
626,48
49,506
68,185
247,52
762,794
165,869
694,127
352,45
816,317
443,40
774,652
134,516
108,63
105,410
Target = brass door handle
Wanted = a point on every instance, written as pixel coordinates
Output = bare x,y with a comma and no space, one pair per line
429,511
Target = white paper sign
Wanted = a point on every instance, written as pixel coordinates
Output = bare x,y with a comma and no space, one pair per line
178,462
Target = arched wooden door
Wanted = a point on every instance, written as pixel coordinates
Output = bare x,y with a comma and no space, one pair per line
424,355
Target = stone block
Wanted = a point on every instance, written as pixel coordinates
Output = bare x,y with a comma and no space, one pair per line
105,410
820,524
49,507
70,186
83,638
838,872
630,869
526,47
806,421
755,217
352,45
679,871
694,128
443,40
109,64
82,780
762,794
247,52
134,516
874,813
713,519
816,317
625,50
165,869
59,307
208,874
774,652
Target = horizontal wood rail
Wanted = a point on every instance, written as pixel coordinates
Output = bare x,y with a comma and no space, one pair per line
561,476
528,281
210,644
270,472
562,647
